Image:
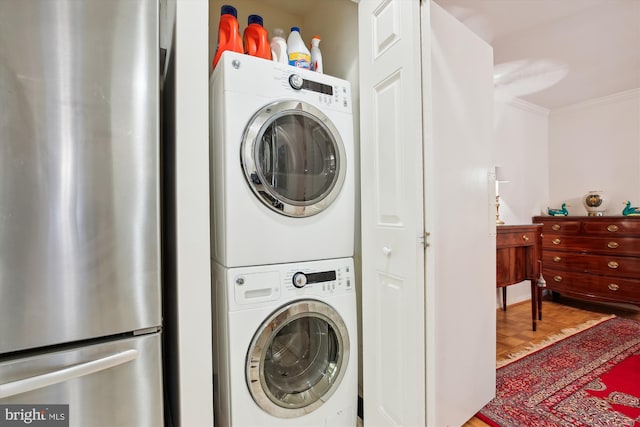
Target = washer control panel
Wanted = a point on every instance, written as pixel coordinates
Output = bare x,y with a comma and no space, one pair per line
261,284
340,279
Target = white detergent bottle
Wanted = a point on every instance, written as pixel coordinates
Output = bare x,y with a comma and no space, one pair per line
279,46
316,55
297,52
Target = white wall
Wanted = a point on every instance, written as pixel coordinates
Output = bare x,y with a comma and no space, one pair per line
595,145
558,156
521,138
193,274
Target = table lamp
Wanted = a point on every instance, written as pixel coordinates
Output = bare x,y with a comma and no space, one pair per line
500,179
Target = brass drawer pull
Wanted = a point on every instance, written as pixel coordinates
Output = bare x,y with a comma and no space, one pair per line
612,245
557,259
557,278
612,228
556,241
613,264
555,227
525,238
613,286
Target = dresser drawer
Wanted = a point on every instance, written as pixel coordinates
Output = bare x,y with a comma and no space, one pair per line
604,287
605,245
562,227
614,227
525,238
608,265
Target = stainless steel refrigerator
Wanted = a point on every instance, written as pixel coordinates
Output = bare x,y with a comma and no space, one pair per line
80,291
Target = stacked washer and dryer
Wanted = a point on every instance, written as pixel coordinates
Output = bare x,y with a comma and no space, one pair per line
282,212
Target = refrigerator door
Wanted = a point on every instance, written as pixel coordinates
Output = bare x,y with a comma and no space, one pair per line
117,383
79,170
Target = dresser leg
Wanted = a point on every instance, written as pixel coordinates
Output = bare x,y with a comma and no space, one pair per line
539,303
504,298
534,304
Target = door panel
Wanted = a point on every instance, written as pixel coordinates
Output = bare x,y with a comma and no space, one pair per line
426,102
392,203
79,170
460,216
117,383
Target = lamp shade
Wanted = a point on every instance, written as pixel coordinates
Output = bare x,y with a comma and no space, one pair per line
501,175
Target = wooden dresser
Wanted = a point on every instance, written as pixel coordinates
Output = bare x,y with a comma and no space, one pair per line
595,258
518,250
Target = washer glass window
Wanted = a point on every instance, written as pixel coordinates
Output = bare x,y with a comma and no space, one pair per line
293,158
297,358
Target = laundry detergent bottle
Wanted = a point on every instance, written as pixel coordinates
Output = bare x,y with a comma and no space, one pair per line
256,39
229,37
298,53
316,55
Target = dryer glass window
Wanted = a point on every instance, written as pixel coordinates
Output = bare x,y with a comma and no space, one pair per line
293,158
298,158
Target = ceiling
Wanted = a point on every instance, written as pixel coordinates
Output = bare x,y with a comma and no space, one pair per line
554,53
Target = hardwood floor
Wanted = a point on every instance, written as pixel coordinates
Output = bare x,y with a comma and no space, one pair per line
513,327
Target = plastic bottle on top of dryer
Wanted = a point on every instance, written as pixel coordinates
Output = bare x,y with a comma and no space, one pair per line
256,39
279,46
228,33
316,55
297,52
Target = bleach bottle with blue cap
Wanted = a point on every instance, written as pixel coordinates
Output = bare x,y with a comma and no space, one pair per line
297,52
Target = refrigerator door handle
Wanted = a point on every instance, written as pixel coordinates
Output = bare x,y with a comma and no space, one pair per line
66,374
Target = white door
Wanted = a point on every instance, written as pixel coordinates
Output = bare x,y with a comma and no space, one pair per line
392,213
428,334
460,216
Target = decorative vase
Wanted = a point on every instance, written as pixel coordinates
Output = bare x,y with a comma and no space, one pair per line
595,203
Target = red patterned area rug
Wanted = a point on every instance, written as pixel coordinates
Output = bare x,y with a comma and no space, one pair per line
589,376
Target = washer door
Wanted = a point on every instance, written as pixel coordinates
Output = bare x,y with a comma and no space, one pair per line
293,158
297,358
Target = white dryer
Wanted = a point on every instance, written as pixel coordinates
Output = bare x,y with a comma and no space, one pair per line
282,169
285,345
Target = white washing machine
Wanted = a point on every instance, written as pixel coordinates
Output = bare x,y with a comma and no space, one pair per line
285,345
282,169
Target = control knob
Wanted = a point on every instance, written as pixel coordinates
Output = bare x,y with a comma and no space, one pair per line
299,280
296,81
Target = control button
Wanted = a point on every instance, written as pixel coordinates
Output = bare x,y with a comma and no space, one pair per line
296,81
299,280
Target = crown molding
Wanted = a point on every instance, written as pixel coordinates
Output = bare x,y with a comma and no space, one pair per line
528,106
609,99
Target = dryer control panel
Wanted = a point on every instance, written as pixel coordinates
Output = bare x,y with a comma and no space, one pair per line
248,75
331,92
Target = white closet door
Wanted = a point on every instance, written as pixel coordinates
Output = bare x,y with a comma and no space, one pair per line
460,216
392,213
428,333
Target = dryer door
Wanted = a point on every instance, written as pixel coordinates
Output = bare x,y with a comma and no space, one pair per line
293,158
297,358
